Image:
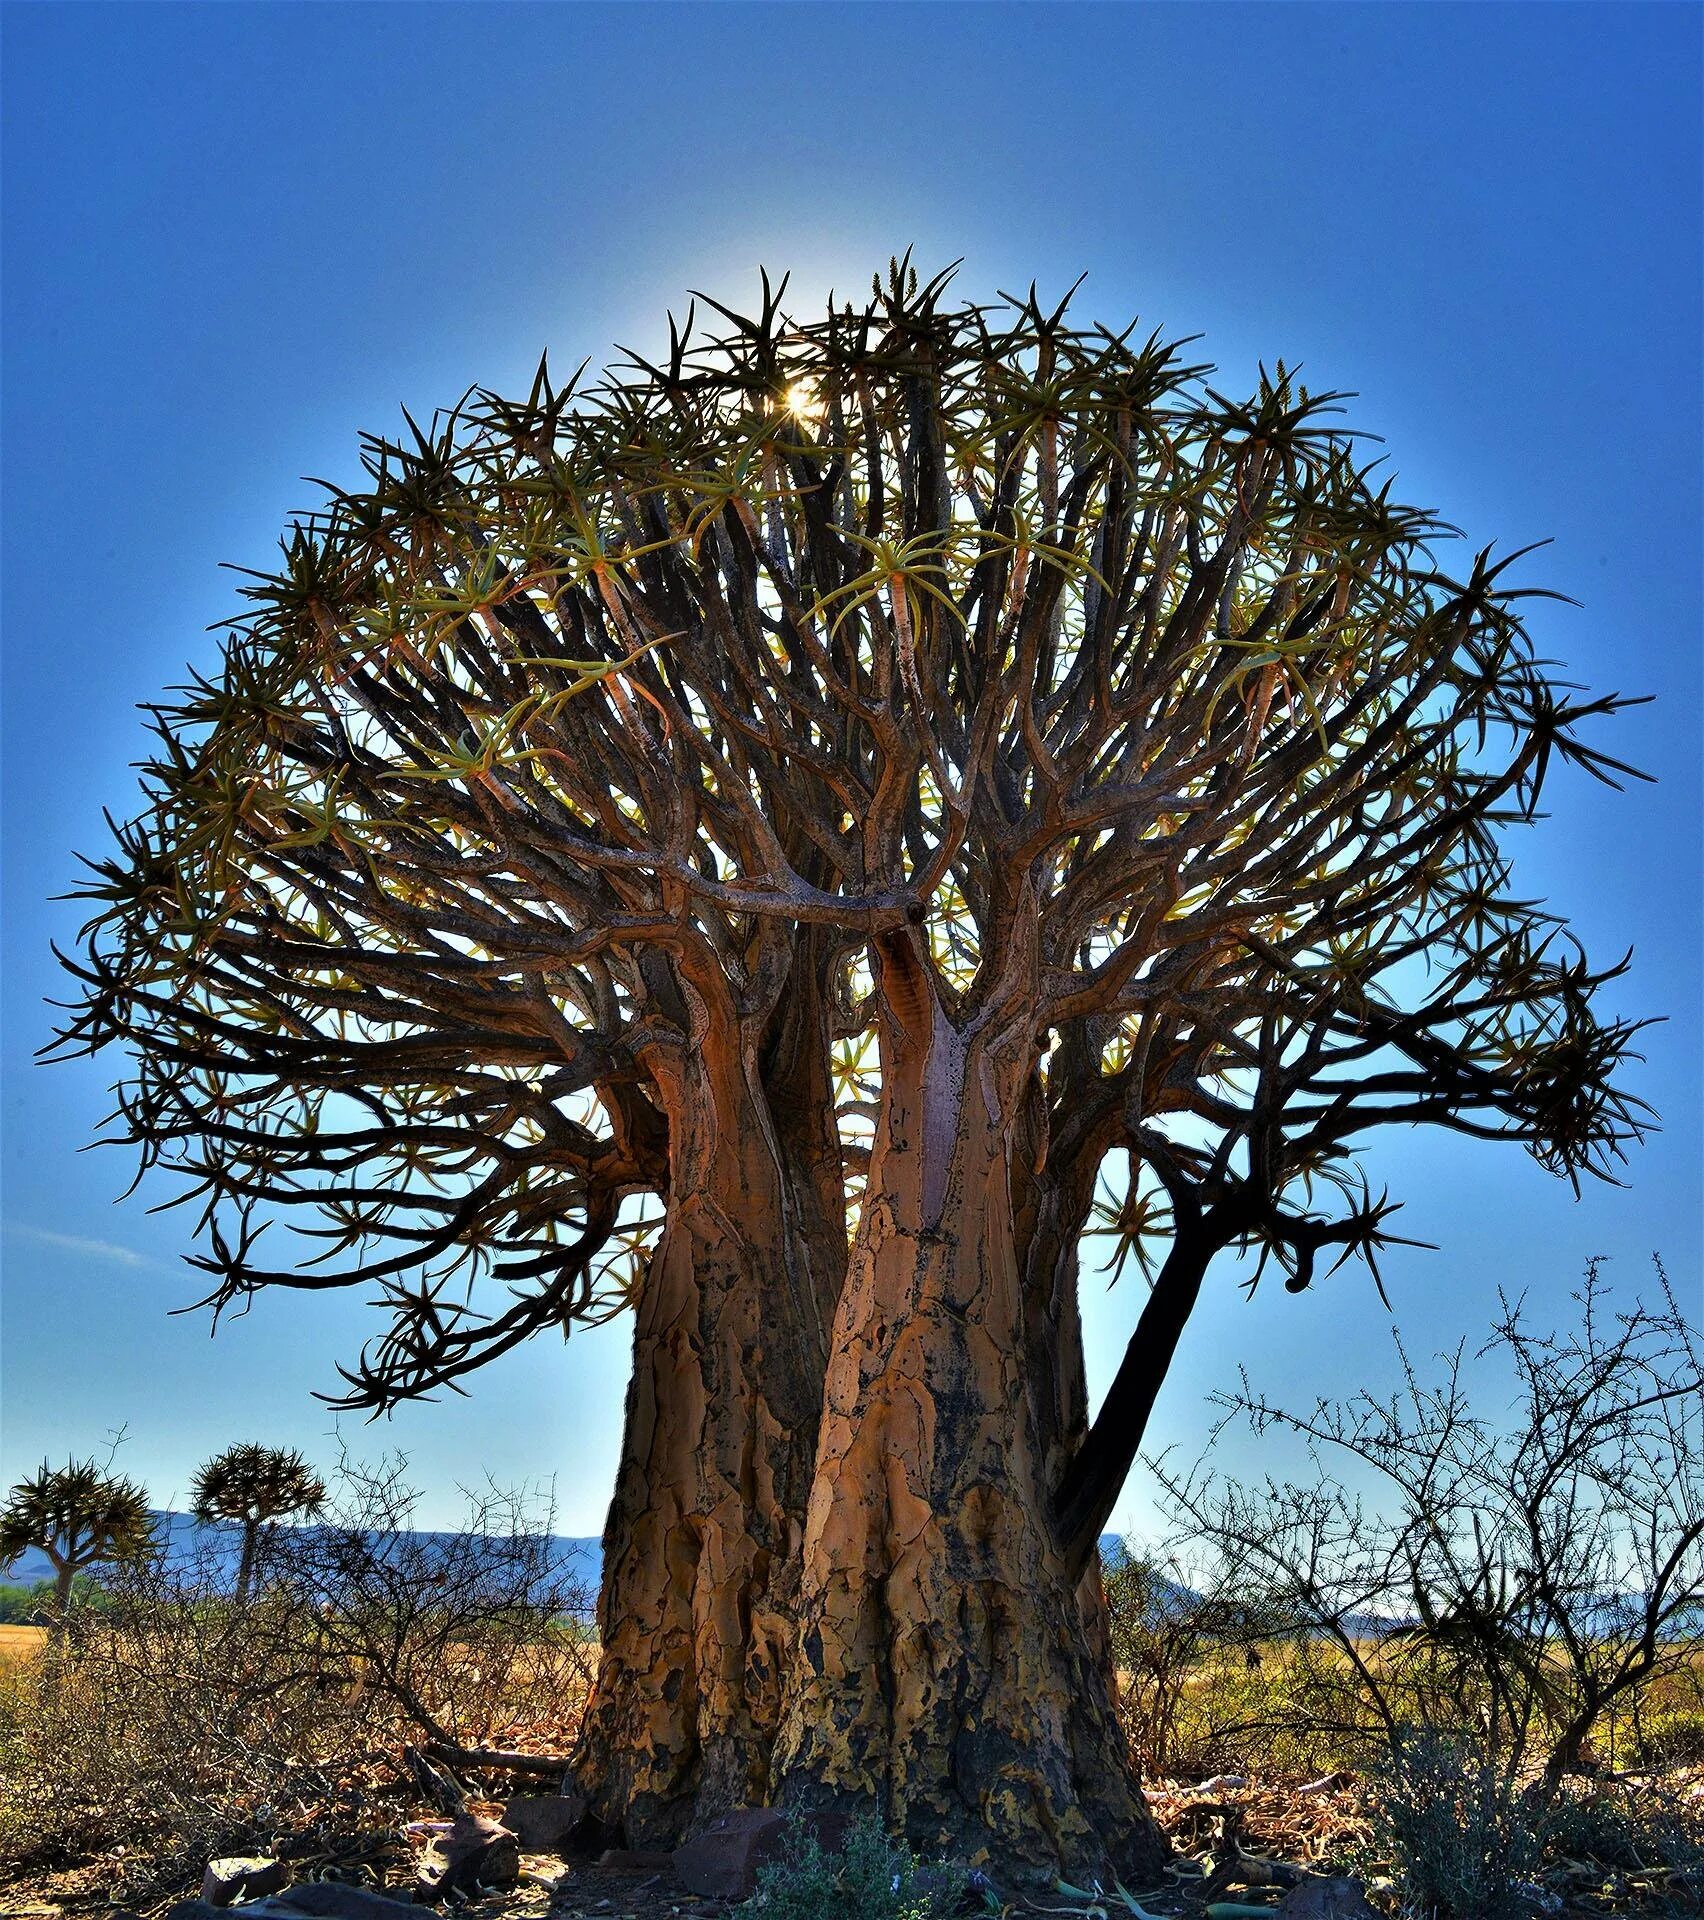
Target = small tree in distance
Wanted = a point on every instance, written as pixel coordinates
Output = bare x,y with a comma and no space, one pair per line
255,1487
80,1516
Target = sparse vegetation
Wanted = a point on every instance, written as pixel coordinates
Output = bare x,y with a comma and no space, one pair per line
1496,1674
1184,1658
1484,1617
186,1723
1517,1584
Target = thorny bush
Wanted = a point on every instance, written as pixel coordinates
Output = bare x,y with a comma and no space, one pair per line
182,1723
1531,1585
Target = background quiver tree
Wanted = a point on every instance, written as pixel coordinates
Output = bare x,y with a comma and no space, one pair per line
256,1487
80,1515
1144,780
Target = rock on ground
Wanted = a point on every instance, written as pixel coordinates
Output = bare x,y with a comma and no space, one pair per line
242,1877
544,1822
1341,1899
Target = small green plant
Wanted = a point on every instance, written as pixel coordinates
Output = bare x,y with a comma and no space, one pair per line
33,1606
873,1877
1466,1840
1644,1827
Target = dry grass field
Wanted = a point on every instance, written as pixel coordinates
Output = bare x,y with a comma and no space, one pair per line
132,1743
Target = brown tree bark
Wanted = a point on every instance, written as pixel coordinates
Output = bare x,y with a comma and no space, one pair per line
1067,1127
945,1668
702,1544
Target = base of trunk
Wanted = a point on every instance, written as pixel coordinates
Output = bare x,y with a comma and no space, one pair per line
949,1671
1028,1803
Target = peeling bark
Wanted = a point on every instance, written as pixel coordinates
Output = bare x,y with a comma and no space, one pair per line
1063,1141
946,1667
702,1544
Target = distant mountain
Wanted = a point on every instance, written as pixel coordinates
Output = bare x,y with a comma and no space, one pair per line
28,1570
580,1557
218,1547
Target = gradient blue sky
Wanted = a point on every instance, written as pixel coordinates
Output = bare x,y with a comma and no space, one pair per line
236,235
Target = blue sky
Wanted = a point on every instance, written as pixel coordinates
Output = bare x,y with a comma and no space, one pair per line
236,235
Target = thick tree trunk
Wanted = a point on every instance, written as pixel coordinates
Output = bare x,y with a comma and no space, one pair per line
245,1565
702,1545
1055,1166
1062,1145
946,1670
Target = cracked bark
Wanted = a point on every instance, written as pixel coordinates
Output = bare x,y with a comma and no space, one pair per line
702,1544
947,1667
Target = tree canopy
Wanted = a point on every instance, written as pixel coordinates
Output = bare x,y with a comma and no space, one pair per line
80,1515
255,1486
249,1482
968,617
996,679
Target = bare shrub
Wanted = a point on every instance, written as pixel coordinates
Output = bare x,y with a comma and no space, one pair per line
1199,1660
468,1633
166,1719
182,1722
1514,1582
1483,1601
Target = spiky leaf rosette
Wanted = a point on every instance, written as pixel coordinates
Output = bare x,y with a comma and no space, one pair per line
969,617
256,1484
78,1514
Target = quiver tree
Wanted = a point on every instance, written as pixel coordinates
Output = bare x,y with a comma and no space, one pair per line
588,797
80,1516
255,1487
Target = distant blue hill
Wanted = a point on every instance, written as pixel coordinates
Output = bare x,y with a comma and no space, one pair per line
216,1548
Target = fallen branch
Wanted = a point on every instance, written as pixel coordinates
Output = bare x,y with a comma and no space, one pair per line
496,1758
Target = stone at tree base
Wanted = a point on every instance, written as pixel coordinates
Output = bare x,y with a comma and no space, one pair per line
634,1859
478,1852
330,1900
722,1861
544,1822
242,1877
1339,1899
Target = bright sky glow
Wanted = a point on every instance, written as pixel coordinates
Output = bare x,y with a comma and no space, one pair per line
236,236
